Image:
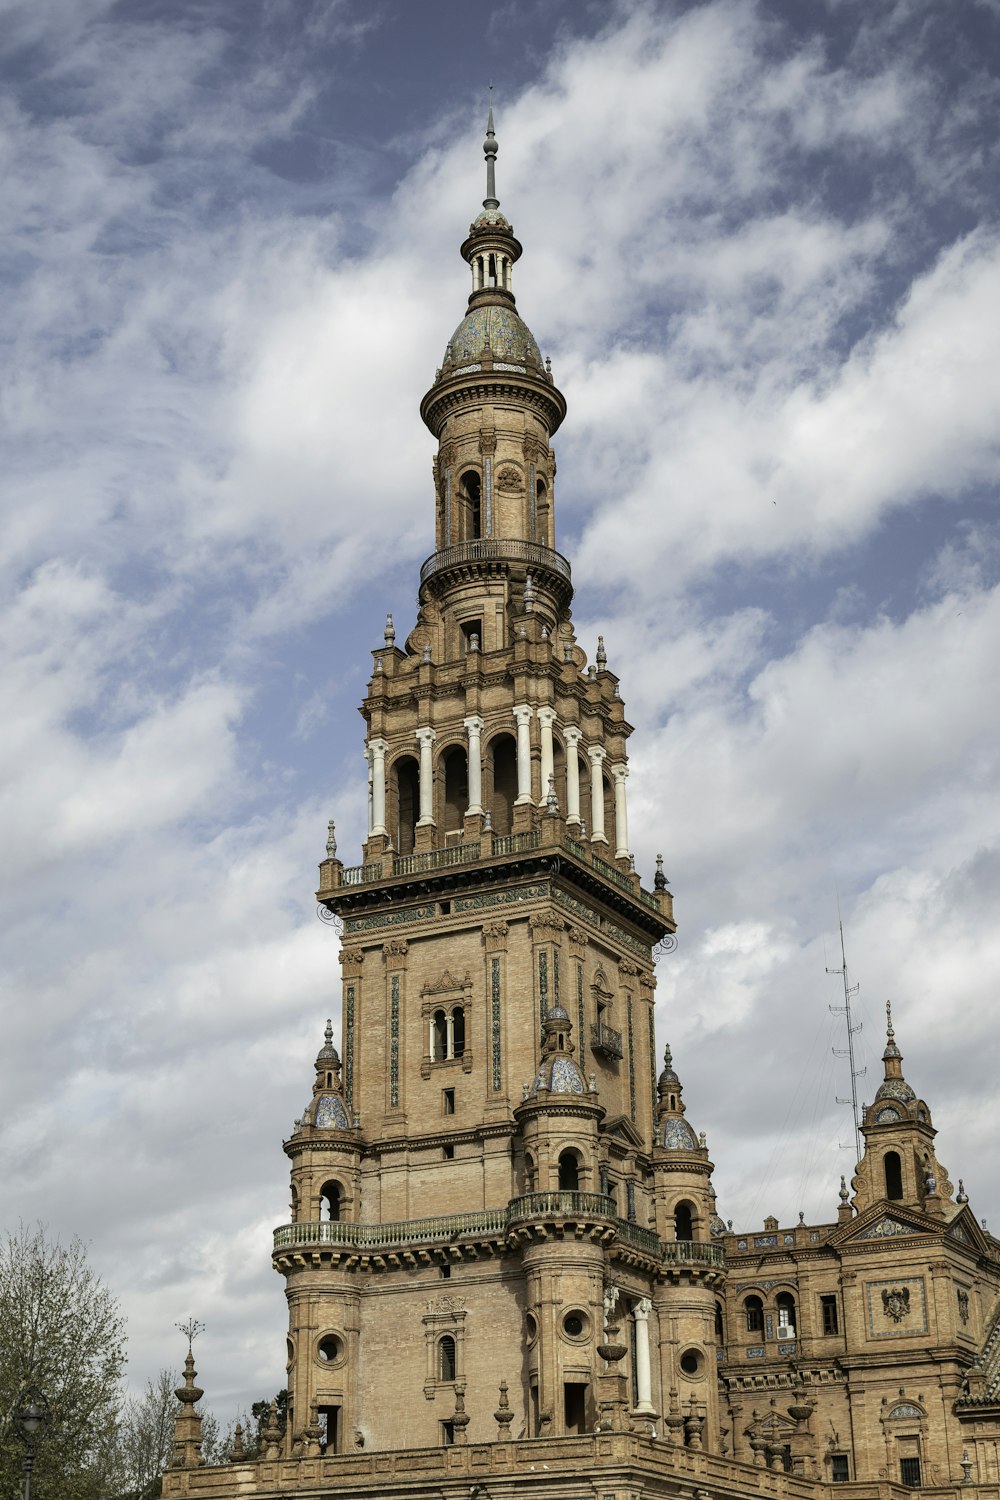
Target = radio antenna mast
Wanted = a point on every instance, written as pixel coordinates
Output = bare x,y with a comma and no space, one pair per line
850,992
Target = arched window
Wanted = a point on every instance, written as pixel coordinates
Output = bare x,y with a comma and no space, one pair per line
439,1036
407,775
458,1031
720,1323
753,1307
684,1222
569,1172
456,787
893,1175
330,1198
470,494
542,512
503,755
785,1304
529,1172
446,1358
609,815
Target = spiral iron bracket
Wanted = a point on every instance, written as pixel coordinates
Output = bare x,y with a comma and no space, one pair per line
330,918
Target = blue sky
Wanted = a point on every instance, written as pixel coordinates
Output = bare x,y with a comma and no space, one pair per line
762,250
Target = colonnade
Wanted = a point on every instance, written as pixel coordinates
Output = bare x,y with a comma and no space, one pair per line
522,715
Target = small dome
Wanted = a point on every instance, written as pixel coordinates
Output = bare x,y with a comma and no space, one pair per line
490,218
558,1075
327,1056
556,1013
677,1135
510,339
895,1088
330,1113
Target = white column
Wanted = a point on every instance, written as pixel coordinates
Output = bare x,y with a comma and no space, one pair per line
546,718
449,1046
522,717
620,774
597,834
644,1388
430,1040
474,728
425,739
378,749
572,737
368,758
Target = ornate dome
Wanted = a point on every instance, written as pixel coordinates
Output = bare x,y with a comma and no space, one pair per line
497,328
490,218
558,1075
330,1113
895,1088
677,1135
327,1057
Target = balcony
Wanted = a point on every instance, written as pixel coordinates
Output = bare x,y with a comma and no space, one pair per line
403,1232
606,1041
561,1205
496,551
691,1253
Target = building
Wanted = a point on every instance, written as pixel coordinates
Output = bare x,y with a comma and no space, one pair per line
504,1266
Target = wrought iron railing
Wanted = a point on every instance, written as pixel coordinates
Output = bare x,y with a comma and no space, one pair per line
611,873
496,549
606,1040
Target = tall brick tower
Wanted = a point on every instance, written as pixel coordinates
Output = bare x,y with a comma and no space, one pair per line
490,1173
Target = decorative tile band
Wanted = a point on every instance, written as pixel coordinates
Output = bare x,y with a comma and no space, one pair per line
388,919
581,1041
394,1042
531,499
564,899
349,1046
497,898
644,950
488,465
543,985
447,509
654,1097
555,974
631,1060
495,1021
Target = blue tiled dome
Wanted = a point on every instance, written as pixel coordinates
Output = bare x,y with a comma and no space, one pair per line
331,1113
895,1088
510,339
678,1136
559,1075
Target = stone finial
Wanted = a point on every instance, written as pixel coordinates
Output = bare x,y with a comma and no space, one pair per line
331,840
545,632
844,1194
270,1434
602,655
503,1416
378,664
551,804
548,365
961,1196
487,821
473,642
236,1447
187,1423
461,1418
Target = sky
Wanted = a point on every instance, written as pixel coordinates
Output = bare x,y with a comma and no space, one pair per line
762,250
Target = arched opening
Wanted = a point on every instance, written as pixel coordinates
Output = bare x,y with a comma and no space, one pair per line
542,512
753,1309
456,788
491,279
785,1303
569,1172
684,1221
530,1173
609,815
407,774
439,1036
458,1031
503,754
331,1196
446,1358
295,1204
559,775
470,494
720,1323
893,1175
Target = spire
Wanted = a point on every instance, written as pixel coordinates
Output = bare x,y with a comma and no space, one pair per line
672,1131
894,1085
490,152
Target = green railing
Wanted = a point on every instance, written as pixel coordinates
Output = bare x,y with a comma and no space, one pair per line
575,847
561,1204
610,872
348,1235
435,859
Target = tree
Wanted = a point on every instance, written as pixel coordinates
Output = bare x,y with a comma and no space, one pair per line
145,1437
60,1331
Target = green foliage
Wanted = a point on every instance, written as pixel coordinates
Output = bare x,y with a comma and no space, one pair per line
60,1331
145,1438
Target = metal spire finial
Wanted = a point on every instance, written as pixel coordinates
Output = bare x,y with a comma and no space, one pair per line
328,1033
190,1330
890,1034
490,152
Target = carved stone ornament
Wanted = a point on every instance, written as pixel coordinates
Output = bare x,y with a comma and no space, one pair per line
445,985
577,935
546,922
963,1305
508,478
487,442
395,948
626,966
896,1303
352,955
495,934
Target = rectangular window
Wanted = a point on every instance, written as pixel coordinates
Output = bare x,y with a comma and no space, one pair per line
575,1406
472,632
828,1305
448,1152
447,1434
445,1272
909,1472
329,1421
840,1471
448,1101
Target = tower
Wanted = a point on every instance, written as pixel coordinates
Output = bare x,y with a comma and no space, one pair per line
480,1172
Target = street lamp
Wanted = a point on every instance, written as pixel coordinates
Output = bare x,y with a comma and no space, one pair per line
32,1416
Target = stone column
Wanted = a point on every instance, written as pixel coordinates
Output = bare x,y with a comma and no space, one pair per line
449,1026
620,774
522,717
546,719
644,1387
368,758
572,737
474,729
597,834
425,739
378,749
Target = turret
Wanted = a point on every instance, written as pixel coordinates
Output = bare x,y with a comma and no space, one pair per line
899,1164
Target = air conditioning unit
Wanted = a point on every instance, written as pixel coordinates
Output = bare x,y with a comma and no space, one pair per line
785,1331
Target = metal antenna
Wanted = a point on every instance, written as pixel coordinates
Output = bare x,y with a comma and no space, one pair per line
850,991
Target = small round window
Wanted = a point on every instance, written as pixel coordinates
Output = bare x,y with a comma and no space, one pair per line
531,1328
575,1324
691,1362
330,1348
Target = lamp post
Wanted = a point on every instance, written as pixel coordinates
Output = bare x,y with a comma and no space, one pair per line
32,1417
